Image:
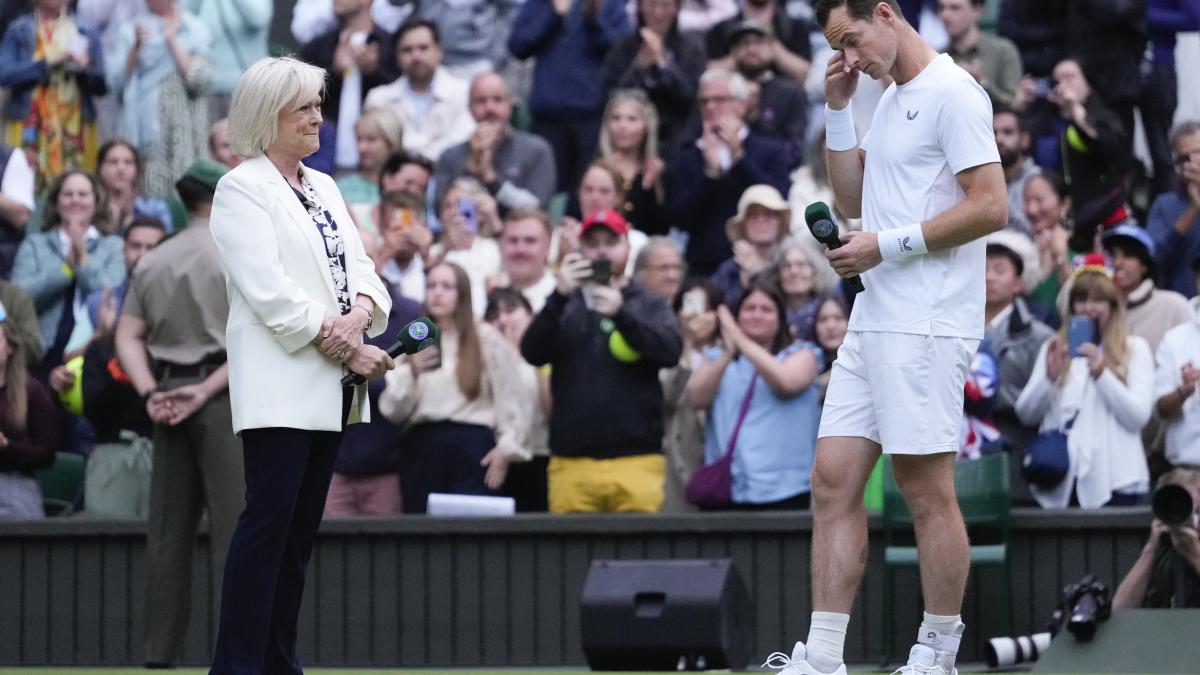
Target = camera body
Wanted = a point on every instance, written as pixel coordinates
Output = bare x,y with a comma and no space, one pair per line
1085,603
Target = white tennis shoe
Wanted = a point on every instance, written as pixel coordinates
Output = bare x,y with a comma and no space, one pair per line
922,660
796,663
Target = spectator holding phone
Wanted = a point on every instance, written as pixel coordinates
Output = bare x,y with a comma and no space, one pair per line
683,443
605,339
464,403
467,211
1094,382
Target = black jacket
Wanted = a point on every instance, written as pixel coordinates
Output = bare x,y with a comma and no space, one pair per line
1038,29
320,51
604,408
1095,171
700,205
1110,37
672,89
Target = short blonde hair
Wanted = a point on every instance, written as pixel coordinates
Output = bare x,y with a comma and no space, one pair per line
262,92
385,123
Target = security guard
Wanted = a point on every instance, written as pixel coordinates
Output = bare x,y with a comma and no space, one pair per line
171,343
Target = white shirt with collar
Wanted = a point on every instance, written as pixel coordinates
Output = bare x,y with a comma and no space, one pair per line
540,290
446,122
1000,319
1180,345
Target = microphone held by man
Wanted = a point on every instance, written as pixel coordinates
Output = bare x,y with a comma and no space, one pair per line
820,223
417,335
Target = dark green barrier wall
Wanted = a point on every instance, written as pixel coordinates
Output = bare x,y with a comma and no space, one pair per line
417,591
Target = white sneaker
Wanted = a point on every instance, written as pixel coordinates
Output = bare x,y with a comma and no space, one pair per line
796,663
922,660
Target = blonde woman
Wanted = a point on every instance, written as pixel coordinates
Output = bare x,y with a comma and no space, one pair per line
629,143
1101,398
302,293
377,135
465,405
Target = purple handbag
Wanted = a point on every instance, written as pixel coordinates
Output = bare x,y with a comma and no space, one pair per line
711,487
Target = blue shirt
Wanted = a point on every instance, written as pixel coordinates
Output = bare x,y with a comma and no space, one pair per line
1174,252
774,455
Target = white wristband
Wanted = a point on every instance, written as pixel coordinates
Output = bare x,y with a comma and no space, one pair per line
839,129
902,242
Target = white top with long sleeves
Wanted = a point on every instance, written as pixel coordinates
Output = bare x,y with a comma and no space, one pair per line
1180,345
505,403
1105,442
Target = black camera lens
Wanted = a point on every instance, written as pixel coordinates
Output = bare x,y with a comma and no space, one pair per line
1173,504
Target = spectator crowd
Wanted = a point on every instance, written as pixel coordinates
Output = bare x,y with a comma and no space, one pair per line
599,203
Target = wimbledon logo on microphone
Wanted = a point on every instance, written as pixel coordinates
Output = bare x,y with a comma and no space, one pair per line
419,332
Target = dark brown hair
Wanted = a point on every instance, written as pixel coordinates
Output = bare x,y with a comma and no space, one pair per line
51,217
760,285
857,9
470,354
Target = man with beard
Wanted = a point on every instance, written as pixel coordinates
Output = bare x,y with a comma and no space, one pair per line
790,49
781,111
430,102
1012,140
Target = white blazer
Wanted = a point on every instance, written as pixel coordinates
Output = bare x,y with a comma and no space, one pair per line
279,287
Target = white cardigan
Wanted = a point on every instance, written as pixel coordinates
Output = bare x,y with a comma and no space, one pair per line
279,287
1105,443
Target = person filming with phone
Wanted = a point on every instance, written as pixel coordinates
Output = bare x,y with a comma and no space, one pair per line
1093,383
605,338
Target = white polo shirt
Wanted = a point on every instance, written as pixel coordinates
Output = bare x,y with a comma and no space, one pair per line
1180,345
923,133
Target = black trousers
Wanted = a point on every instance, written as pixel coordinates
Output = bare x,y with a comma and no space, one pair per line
443,457
287,478
1158,101
574,142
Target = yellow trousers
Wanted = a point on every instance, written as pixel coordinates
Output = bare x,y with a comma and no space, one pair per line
623,484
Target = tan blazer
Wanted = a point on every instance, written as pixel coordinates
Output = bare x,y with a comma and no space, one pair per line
279,287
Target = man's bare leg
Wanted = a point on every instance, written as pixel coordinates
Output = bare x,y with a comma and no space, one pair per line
927,482
839,548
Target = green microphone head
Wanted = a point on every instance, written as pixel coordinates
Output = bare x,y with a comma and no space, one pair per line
820,223
420,333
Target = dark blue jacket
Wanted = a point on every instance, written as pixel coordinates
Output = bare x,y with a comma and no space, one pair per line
1166,18
700,205
570,49
374,448
1175,253
20,73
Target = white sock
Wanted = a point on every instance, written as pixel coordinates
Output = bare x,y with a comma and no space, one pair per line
826,640
943,633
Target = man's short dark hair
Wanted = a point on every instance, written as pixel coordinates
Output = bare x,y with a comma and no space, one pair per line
1000,109
1002,251
148,222
857,9
504,298
398,159
413,23
193,193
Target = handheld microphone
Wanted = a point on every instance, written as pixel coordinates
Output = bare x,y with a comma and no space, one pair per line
820,223
417,335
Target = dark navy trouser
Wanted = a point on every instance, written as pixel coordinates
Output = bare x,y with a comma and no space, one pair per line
287,478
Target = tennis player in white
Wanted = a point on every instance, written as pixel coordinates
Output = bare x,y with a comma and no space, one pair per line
927,183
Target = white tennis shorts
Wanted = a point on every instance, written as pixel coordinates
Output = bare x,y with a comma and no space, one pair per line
902,391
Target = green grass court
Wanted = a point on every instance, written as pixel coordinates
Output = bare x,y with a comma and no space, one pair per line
61,670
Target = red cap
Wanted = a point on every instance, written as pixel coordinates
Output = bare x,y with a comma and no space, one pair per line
605,218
